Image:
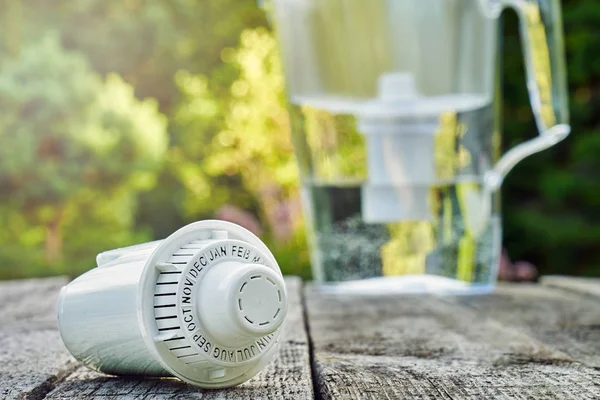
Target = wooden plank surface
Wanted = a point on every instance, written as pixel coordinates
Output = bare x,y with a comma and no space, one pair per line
32,356
426,347
564,321
287,376
588,286
522,341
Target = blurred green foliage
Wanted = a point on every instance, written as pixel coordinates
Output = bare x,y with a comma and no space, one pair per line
86,164
162,113
73,144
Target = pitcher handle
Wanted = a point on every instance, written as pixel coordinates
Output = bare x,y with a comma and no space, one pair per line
542,39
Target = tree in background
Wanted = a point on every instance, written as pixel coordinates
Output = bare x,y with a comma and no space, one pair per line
146,41
243,134
72,144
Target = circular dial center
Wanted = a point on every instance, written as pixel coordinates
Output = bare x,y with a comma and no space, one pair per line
260,301
241,302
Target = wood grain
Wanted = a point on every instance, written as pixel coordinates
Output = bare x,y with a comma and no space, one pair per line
32,356
430,347
522,342
587,286
287,376
384,377
565,322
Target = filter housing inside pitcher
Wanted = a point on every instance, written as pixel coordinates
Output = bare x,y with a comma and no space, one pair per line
401,128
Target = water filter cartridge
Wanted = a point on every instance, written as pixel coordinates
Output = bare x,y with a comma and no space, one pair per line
204,305
399,131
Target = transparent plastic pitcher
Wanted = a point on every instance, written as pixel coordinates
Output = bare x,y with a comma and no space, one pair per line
394,120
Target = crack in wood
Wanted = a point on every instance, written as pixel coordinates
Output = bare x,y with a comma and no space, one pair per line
39,392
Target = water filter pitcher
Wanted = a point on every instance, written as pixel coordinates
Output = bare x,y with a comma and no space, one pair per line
393,107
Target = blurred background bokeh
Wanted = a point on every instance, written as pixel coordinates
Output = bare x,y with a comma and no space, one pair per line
121,121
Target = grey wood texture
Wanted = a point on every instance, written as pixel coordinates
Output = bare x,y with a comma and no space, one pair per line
32,356
522,342
34,364
563,320
589,286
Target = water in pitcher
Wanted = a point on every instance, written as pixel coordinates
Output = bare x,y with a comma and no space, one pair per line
446,247
346,248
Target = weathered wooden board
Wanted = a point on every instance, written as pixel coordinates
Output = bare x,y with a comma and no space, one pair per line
384,377
588,286
523,342
32,356
428,347
288,376
563,321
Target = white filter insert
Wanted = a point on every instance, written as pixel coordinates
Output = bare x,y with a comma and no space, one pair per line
399,133
205,305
